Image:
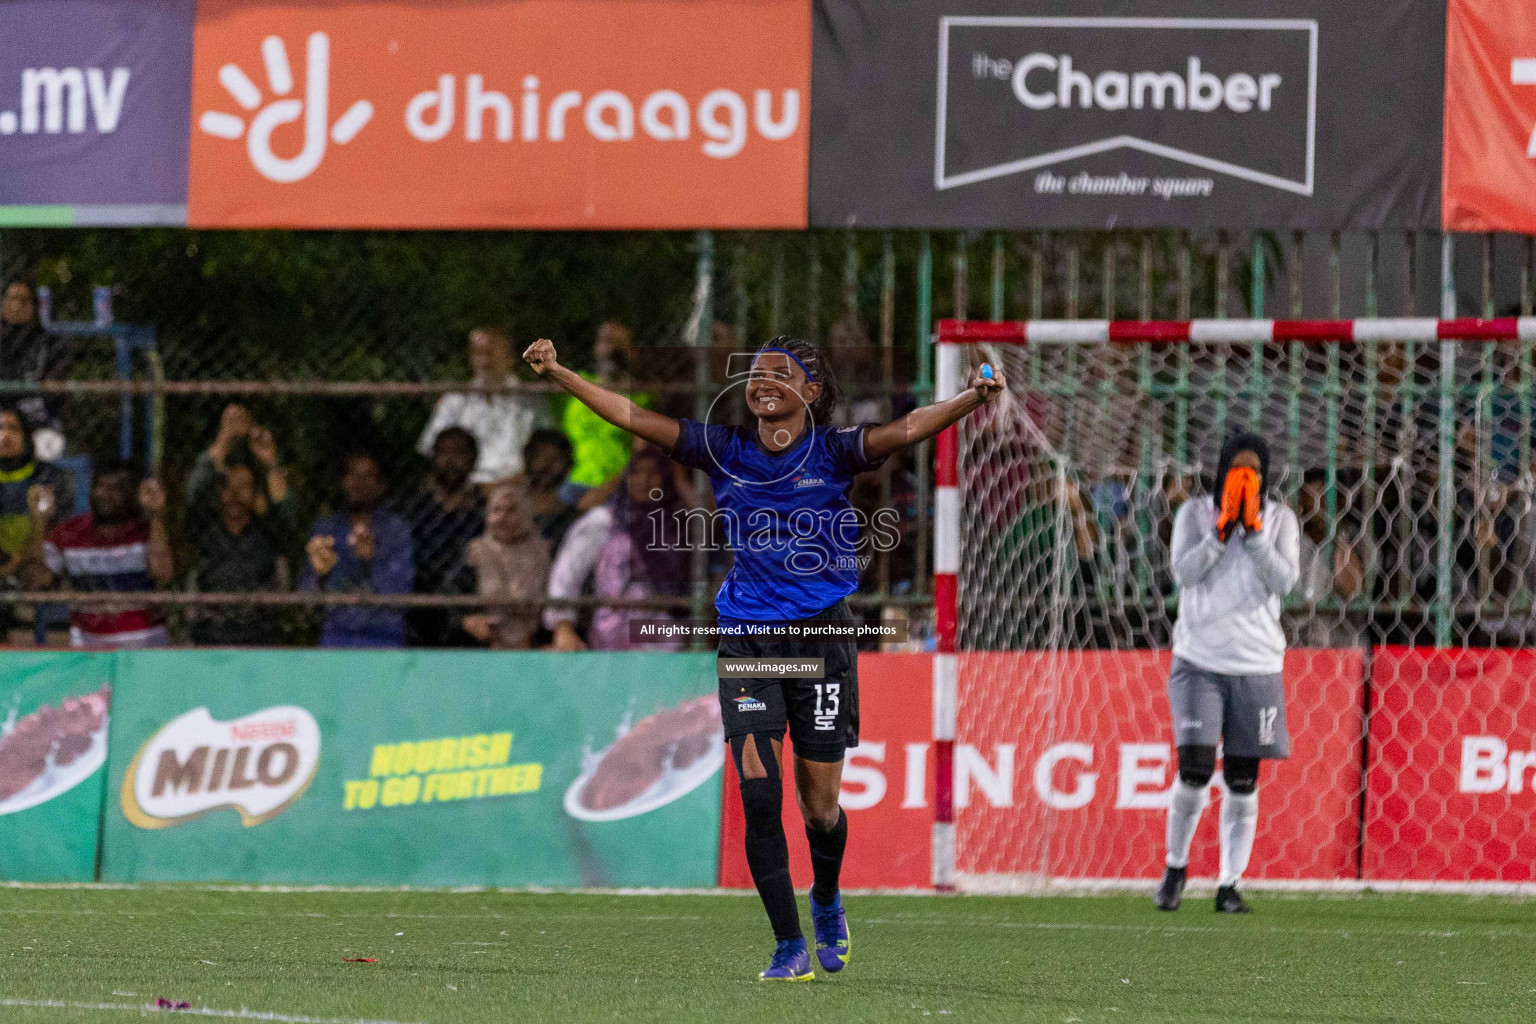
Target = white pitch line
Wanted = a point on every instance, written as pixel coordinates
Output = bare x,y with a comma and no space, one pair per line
197,1011
1083,926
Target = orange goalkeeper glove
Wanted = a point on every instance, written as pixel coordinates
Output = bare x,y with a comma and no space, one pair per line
1251,502
1231,503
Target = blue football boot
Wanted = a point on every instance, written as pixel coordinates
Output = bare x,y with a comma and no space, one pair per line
831,930
791,962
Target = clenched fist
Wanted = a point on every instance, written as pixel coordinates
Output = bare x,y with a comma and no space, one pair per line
152,498
40,501
988,388
362,542
541,356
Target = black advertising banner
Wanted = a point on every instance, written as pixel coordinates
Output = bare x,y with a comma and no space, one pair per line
1183,113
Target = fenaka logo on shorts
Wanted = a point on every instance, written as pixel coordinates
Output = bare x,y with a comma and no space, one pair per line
258,765
1233,96
746,703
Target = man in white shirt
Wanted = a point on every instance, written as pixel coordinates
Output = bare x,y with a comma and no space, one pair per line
500,422
1235,557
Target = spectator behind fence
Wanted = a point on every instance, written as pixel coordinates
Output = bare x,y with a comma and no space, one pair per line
30,353
629,548
119,546
20,473
553,497
445,514
240,520
360,550
238,440
600,448
500,423
1319,582
510,561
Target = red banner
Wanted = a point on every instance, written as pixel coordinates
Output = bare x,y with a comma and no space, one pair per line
1490,116
1451,783
887,787
1064,760
538,113
1062,768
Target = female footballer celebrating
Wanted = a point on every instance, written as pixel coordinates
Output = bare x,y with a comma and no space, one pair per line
781,489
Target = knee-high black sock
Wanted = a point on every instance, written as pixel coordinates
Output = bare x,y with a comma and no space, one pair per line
827,847
768,854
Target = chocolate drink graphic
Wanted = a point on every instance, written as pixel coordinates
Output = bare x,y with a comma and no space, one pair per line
56,735
677,737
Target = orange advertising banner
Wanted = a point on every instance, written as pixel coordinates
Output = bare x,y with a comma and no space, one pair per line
533,114
1490,116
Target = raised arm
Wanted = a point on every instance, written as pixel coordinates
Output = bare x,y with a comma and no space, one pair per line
611,406
921,424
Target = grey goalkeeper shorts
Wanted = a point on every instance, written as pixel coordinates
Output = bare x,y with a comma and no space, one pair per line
1245,713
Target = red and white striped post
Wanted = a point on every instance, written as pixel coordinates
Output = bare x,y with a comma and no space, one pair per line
946,569
946,523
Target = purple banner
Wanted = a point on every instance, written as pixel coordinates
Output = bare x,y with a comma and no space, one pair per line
94,107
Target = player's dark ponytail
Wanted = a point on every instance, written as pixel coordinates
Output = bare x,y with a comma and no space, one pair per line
816,363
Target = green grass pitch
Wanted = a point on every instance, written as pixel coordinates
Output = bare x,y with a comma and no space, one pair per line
466,957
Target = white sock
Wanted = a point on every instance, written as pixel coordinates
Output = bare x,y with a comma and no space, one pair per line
1185,806
1239,821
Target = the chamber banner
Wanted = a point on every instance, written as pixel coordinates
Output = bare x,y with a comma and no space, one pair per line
1104,113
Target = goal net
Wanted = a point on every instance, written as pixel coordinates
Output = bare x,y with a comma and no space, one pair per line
1406,454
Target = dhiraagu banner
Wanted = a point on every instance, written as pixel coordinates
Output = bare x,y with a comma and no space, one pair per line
392,768
54,710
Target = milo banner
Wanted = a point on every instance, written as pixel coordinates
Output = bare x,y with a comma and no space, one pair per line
54,711
1104,113
383,768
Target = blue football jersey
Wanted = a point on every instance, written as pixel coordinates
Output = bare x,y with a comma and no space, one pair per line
785,515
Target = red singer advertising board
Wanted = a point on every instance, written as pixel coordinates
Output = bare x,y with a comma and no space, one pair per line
1064,760
887,787
1451,775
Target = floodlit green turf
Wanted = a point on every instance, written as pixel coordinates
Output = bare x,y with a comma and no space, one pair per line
448,958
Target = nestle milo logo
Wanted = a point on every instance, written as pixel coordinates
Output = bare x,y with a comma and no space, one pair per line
257,765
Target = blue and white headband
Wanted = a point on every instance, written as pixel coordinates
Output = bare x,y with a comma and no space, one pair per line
808,374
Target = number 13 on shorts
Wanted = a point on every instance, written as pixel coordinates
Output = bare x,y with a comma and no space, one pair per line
827,703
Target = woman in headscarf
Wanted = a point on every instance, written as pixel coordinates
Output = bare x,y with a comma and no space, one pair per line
628,548
1235,557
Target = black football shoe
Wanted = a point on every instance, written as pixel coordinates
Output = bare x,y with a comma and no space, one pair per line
1171,893
1229,901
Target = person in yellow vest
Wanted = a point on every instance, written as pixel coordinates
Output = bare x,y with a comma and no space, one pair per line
601,450
22,475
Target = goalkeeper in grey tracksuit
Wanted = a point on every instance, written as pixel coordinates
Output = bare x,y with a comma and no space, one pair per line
1235,557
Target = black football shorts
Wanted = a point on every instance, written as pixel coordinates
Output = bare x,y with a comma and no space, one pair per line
821,714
